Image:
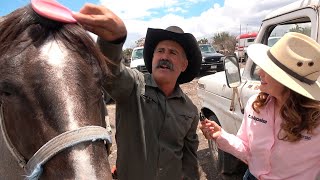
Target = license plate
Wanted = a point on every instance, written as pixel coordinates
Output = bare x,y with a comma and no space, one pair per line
213,66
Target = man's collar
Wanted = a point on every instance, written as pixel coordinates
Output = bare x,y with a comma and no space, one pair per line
177,93
150,81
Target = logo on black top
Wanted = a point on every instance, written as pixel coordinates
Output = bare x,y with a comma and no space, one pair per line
257,119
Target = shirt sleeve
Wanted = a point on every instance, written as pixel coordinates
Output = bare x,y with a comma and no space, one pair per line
189,159
237,145
234,145
113,52
121,83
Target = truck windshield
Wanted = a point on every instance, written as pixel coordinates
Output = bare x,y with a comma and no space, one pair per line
137,54
207,49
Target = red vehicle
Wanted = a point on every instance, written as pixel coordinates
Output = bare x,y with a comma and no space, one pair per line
243,41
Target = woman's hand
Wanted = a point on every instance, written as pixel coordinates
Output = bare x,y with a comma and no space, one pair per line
210,129
101,21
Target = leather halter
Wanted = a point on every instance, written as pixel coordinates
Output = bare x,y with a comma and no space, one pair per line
53,147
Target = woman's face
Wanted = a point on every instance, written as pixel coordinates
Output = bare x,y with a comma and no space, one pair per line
271,86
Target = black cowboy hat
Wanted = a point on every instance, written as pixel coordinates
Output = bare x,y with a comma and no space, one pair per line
186,40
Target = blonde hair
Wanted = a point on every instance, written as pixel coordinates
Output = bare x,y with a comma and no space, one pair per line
298,113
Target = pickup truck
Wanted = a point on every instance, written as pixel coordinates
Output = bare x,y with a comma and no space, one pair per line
223,95
211,59
137,60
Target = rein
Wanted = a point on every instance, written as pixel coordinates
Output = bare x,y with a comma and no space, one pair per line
33,167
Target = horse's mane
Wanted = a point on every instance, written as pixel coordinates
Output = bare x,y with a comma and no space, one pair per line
23,27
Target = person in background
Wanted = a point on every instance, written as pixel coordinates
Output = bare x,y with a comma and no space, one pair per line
156,122
280,133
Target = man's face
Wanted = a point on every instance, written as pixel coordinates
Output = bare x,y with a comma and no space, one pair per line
169,60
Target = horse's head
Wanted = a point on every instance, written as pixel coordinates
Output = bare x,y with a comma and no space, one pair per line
50,83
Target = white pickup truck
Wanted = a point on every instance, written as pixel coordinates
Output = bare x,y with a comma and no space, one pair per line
223,97
137,60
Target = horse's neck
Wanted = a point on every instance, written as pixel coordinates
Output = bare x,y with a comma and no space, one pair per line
10,168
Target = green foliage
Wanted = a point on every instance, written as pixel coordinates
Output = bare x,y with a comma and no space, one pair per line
126,56
127,53
303,30
224,42
140,42
203,41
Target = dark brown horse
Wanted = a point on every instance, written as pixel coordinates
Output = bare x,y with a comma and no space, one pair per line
50,79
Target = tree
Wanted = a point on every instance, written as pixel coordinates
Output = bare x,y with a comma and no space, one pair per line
203,41
224,42
140,42
127,55
303,30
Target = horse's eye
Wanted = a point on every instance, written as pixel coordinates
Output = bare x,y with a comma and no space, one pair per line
7,89
6,93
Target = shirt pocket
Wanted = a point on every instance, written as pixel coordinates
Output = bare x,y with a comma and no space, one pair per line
184,122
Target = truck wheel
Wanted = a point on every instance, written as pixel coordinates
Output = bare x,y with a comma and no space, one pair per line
228,166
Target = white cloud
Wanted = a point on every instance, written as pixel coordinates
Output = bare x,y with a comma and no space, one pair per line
248,13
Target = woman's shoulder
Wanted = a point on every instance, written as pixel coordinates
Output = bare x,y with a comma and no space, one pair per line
269,100
267,107
251,100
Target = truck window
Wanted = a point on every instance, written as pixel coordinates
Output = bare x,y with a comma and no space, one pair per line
207,48
137,54
278,32
250,40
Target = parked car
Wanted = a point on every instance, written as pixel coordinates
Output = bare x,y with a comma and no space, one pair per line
273,40
137,60
211,60
223,95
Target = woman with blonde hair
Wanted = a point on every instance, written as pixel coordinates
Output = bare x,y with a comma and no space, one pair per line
280,133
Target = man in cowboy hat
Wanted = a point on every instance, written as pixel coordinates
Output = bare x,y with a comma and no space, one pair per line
280,131
156,122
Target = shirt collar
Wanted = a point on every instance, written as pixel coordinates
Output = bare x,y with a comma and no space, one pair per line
177,93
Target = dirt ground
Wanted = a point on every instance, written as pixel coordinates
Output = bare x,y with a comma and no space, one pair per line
206,167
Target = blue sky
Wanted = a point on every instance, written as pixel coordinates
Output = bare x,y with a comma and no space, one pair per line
187,9
202,18
9,5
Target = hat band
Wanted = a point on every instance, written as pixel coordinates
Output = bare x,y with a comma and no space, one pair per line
289,71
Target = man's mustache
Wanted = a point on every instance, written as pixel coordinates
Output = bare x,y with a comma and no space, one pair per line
166,63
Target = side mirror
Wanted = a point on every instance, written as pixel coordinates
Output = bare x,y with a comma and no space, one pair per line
232,71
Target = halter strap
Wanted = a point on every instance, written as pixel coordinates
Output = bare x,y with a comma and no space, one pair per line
15,153
63,141
54,146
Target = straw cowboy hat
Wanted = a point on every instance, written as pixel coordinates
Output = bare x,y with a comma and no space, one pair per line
294,61
187,41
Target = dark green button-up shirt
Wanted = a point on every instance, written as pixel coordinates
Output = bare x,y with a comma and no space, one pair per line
156,135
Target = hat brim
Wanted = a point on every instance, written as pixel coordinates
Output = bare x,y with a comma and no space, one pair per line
188,43
258,54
